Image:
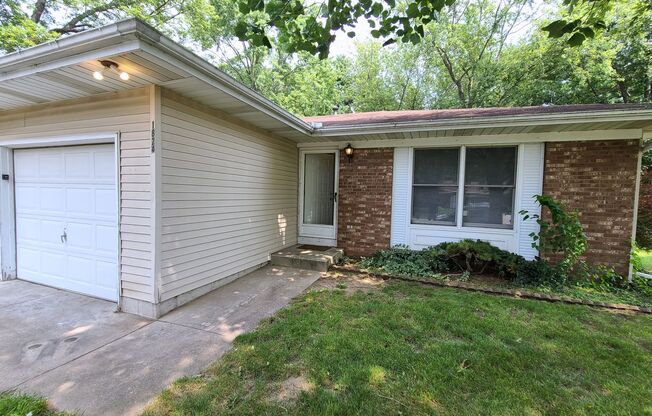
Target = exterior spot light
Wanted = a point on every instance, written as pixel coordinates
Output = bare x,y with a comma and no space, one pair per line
113,67
348,151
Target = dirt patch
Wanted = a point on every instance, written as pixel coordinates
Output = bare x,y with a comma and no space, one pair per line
292,388
349,282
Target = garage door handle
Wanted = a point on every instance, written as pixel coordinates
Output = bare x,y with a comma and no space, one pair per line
64,237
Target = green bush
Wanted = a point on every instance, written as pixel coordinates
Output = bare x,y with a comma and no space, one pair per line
479,257
599,277
561,234
475,256
641,285
399,260
464,256
539,272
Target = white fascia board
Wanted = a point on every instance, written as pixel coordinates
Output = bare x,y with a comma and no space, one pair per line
36,56
523,120
493,139
204,71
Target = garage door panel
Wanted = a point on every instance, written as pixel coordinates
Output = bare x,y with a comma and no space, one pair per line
31,230
81,269
106,239
27,197
25,166
71,190
105,203
53,199
50,165
80,200
104,165
105,272
78,165
81,236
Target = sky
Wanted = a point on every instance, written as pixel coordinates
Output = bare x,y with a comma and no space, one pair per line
345,46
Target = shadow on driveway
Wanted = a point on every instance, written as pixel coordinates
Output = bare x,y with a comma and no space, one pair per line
81,355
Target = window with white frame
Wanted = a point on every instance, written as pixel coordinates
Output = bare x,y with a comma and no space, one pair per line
480,180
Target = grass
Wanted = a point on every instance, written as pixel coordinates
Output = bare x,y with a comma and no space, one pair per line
18,404
646,259
410,349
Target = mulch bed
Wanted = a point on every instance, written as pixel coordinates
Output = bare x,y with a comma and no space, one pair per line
496,290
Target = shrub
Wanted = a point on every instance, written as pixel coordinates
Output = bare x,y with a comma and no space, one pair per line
399,260
467,256
539,272
641,285
599,277
561,234
476,256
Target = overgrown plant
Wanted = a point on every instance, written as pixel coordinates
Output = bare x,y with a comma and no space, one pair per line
559,233
466,257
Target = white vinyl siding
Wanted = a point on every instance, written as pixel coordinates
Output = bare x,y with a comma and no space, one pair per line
229,196
529,181
128,113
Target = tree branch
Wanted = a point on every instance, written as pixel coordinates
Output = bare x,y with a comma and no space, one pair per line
37,13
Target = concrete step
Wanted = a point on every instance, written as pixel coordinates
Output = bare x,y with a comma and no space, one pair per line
307,257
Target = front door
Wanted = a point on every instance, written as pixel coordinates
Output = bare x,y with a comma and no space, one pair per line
318,198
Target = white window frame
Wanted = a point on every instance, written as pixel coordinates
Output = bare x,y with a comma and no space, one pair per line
460,193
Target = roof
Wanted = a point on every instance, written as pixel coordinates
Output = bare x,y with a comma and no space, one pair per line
396,117
62,69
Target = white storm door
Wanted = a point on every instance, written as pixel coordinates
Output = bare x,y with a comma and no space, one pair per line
319,195
66,225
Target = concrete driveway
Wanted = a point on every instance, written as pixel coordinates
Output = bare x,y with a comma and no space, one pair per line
84,357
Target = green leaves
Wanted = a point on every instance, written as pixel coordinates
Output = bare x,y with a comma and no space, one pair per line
413,11
559,232
556,28
576,39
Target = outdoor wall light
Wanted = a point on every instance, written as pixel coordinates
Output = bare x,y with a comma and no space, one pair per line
348,151
113,67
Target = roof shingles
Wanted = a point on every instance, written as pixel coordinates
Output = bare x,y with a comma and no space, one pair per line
381,117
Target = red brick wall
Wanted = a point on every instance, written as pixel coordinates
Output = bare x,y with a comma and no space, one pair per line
598,179
365,201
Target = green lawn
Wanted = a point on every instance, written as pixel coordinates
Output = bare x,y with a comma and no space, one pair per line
16,404
410,349
646,259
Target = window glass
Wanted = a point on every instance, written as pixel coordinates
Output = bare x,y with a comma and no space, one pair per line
488,206
489,178
434,205
435,186
436,166
490,165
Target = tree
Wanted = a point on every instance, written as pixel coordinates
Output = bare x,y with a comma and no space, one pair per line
467,42
306,85
311,27
25,23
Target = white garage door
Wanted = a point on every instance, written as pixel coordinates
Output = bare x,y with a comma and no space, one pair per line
66,218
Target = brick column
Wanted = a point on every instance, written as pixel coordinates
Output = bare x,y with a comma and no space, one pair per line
598,179
365,201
